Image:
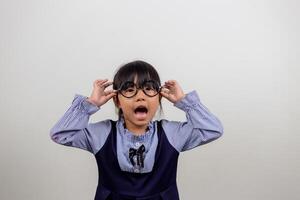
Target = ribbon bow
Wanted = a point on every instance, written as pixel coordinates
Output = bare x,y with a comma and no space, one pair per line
139,154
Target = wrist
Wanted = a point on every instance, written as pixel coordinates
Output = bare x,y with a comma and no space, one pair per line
180,98
91,101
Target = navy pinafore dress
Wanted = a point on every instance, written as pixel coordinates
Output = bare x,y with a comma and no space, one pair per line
115,184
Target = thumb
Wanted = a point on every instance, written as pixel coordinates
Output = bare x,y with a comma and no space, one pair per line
109,94
164,94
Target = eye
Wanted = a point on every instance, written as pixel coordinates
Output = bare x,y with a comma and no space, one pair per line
129,90
150,86
127,86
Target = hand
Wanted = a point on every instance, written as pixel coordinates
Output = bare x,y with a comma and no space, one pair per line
172,91
99,96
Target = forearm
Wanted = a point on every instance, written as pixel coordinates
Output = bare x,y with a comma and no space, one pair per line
88,99
75,118
201,126
197,114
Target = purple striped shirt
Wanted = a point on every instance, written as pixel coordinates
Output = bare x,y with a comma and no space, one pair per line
73,129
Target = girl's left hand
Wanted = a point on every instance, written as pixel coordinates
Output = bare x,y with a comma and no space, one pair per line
172,91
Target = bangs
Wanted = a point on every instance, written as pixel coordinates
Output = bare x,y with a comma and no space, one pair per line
141,70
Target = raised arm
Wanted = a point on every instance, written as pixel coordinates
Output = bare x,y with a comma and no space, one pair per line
200,127
73,128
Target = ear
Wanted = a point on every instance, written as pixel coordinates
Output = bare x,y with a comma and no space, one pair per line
116,101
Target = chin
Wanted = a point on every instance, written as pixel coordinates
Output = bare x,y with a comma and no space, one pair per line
142,122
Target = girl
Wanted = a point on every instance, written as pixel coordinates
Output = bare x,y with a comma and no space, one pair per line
136,156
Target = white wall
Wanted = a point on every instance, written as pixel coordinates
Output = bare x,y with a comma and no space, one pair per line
239,55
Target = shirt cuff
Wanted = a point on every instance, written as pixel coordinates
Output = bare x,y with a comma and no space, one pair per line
190,100
88,107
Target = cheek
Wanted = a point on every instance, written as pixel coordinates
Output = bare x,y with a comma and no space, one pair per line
155,104
121,101
124,105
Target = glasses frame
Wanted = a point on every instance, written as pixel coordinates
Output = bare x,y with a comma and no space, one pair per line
139,88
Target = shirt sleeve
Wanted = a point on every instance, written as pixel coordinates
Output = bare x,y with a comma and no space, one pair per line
73,129
200,127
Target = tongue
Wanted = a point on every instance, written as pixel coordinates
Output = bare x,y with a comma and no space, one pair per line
141,115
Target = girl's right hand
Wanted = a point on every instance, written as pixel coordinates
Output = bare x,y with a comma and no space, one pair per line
99,96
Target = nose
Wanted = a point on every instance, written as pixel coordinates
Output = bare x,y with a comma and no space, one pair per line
140,95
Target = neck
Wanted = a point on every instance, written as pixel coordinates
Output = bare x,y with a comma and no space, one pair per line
136,130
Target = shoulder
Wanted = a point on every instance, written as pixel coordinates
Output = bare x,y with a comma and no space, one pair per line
106,124
170,126
97,133
171,129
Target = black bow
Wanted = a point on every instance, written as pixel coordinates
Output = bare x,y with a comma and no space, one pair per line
139,154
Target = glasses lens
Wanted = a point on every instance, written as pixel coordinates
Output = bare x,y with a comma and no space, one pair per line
151,88
128,89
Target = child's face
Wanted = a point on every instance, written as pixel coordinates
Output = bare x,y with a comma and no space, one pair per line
138,110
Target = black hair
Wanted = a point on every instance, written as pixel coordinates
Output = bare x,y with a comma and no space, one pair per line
142,70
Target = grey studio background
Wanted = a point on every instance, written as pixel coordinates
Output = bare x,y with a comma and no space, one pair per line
240,56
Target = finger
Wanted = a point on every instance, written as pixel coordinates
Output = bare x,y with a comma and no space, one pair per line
169,87
170,82
166,86
105,85
98,82
101,81
165,89
105,80
109,96
108,92
164,94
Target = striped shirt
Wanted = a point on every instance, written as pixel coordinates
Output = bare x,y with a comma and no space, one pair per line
73,129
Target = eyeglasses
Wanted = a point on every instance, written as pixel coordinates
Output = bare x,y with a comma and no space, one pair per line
129,89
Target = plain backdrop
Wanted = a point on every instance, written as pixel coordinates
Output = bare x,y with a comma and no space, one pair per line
242,57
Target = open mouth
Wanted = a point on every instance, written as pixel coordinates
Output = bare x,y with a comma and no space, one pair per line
141,109
140,113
